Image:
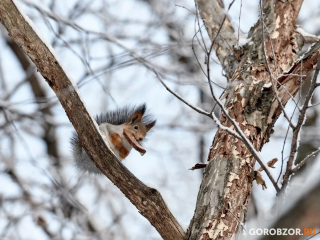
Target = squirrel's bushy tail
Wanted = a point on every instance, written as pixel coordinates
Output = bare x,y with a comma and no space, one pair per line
82,161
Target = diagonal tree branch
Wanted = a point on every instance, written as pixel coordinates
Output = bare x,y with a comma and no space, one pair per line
147,200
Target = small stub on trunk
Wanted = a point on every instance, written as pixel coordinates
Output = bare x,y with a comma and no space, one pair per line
198,166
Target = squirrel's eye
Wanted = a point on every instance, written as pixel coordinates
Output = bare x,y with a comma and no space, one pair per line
136,127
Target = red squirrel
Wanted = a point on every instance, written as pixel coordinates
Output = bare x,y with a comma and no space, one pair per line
122,130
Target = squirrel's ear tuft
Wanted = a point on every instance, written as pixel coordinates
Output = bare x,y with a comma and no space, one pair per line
142,108
138,114
150,125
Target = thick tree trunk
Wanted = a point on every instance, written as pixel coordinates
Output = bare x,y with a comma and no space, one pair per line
227,183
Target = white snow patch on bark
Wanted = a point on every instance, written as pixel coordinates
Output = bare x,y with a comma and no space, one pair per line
243,39
242,92
305,33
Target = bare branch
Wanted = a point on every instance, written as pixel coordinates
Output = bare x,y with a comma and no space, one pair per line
305,160
211,115
296,131
180,98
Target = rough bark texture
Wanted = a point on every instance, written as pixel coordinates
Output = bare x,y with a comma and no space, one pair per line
147,200
213,13
226,186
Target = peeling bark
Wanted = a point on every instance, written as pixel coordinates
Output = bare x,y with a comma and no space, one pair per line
225,190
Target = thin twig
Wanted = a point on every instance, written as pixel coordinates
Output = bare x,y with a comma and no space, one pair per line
197,16
281,75
305,160
238,220
199,110
194,53
185,8
297,129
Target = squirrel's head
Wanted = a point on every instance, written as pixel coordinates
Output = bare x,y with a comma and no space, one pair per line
138,124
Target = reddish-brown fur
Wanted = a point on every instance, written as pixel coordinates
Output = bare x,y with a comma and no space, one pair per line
123,152
116,141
